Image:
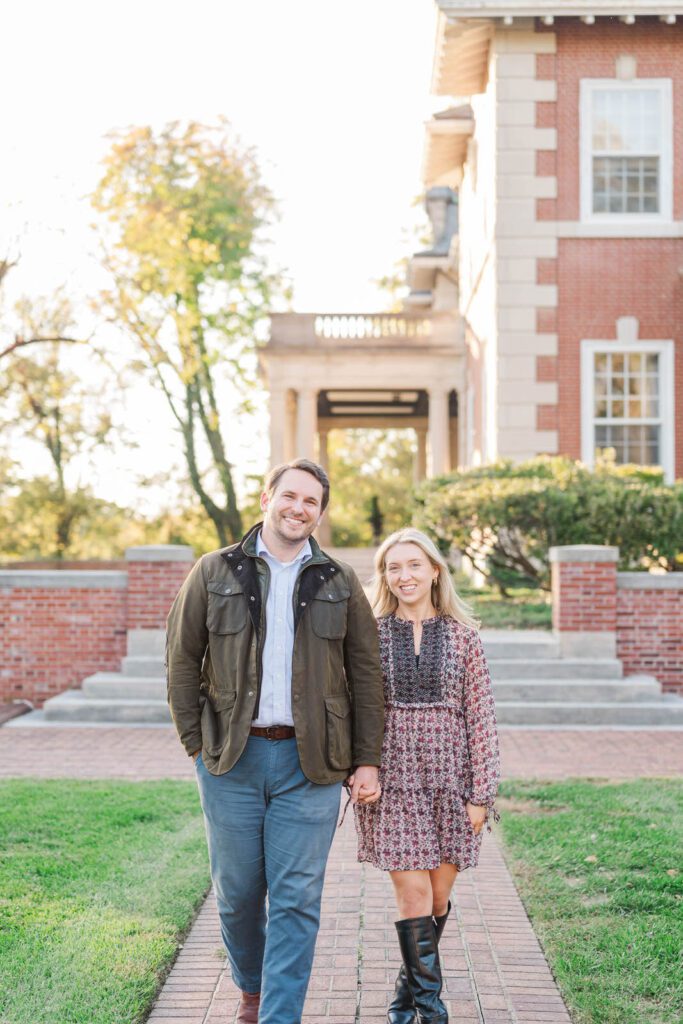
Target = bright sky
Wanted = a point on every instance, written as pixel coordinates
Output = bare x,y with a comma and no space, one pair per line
333,96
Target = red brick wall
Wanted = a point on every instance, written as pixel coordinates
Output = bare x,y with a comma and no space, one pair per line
590,51
600,279
51,639
152,586
584,597
650,635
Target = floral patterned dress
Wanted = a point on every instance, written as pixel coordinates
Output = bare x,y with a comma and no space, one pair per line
440,748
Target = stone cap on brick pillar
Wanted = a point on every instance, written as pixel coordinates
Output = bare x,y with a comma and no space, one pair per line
160,553
584,553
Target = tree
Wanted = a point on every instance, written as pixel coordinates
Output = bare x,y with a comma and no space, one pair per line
47,403
185,209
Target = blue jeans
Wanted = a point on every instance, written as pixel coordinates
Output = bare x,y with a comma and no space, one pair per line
269,832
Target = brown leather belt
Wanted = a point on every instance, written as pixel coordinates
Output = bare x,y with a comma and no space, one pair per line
273,732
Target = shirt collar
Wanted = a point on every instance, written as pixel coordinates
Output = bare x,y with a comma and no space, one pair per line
303,555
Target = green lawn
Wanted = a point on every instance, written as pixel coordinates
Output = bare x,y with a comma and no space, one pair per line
525,608
600,869
97,882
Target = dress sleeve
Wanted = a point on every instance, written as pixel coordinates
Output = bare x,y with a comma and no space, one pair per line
480,724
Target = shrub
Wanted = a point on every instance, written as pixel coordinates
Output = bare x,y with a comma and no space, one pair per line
506,516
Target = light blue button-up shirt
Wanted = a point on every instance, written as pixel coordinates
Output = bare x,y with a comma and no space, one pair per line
275,705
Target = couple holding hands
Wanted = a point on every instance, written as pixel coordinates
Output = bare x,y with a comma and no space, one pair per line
284,683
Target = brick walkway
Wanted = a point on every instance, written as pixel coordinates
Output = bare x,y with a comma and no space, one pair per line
494,969
118,752
495,972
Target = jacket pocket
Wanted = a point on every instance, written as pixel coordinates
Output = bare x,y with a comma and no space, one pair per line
338,718
226,607
216,715
328,615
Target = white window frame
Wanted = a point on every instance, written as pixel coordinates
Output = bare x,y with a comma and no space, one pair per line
665,350
587,87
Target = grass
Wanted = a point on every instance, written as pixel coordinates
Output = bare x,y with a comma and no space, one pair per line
525,608
599,869
97,882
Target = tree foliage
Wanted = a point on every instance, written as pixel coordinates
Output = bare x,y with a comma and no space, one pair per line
364,465
185,209
46,402
505,517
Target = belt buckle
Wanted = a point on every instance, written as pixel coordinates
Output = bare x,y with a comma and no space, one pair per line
271,731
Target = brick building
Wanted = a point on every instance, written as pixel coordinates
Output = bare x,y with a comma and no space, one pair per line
563,142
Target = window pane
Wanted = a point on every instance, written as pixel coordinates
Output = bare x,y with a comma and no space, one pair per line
635,362
652,362
601,362
626,120
617,362
634,408
626,184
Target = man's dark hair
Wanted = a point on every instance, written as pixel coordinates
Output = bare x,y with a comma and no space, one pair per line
307,466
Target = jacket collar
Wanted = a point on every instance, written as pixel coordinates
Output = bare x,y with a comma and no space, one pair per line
247,548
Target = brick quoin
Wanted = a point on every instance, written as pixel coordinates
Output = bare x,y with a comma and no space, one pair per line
650,635
546,271
602,279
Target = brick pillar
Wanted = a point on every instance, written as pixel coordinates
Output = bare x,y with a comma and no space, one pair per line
155,574
584,591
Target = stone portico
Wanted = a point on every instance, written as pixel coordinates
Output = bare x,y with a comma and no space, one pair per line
372,371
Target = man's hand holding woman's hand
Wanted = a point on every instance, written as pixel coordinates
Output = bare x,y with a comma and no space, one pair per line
364,785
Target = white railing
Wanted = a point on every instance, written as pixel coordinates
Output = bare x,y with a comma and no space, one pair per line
358,326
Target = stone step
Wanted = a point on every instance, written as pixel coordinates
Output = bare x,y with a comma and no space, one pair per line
555,668
135,665
73,706
519,643
114,686
667,711
581,691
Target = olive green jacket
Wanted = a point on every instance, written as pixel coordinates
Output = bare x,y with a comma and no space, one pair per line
214,646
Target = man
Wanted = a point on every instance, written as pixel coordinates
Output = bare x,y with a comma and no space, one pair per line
275,688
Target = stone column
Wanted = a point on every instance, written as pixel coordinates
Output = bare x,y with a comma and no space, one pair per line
155,574
584,591
324,532
438,431
454,439
290,425
278,420
307,423
420,460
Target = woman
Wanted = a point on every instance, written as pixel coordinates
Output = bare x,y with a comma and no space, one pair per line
440,764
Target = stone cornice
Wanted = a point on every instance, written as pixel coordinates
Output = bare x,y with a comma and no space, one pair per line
456,9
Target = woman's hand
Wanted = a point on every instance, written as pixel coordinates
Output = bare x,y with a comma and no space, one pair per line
477,815
364,787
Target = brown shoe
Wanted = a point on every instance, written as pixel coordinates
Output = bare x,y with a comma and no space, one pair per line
248,1009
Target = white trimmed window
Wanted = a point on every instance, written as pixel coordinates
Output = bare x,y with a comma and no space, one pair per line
627,402
626,149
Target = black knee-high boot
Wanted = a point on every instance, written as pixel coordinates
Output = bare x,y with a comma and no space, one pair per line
402,1008
420,954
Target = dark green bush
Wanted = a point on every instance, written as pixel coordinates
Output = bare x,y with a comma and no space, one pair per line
506,516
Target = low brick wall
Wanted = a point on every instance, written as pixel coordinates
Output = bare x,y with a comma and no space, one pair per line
59,626
650,626
56,628
634,616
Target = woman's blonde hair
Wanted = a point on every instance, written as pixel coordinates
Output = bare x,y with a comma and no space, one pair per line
444,596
